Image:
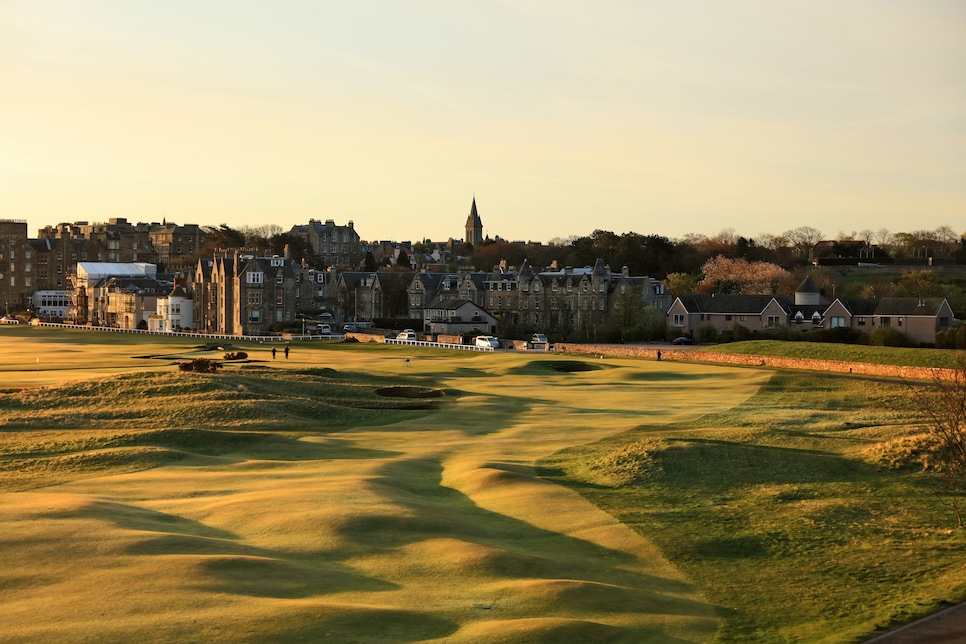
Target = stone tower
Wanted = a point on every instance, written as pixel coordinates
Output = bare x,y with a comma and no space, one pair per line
474,226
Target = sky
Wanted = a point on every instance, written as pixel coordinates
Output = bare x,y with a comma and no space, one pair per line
558,117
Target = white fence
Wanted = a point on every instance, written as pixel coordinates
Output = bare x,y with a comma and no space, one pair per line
193,334
438,345
258,338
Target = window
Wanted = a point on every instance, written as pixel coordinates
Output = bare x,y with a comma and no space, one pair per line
861,321
728,317
254,298
279,296
885,322
771,321
837,321
943,322
254,316
677,319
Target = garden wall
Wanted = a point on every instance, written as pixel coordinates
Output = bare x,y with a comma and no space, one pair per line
699,355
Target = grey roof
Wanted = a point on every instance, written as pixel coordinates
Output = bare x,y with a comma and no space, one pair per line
808,285
750,304
859,305
926,306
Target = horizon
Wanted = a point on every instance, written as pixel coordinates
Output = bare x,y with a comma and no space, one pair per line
647,118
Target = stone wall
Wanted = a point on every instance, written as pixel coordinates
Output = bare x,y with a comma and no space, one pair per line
700,355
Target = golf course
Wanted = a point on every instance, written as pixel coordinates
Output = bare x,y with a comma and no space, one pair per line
359,492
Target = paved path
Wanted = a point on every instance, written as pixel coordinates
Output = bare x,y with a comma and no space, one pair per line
945,627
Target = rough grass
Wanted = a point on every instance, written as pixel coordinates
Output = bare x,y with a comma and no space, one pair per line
898,356
803,513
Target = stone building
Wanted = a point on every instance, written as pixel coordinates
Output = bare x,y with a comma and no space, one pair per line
242,294
333,245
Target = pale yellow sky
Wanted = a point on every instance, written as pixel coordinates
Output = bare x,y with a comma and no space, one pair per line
560,117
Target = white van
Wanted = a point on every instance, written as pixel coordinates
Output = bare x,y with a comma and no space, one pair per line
487,341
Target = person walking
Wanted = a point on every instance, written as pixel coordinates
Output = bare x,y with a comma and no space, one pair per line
273,353
286,352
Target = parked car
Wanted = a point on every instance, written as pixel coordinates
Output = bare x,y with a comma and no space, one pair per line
349,328
682,339
324,329
408,334
9,320
487,341
539,342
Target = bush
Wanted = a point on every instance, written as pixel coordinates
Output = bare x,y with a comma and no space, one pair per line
236,355
888,337
707,332
200,365
740,332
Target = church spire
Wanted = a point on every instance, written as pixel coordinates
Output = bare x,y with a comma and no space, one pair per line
474,225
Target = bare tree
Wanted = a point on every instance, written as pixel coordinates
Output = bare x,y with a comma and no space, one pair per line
803,238
944,406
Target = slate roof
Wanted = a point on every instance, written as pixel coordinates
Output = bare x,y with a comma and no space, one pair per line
725,304
925,306
859,305
808,285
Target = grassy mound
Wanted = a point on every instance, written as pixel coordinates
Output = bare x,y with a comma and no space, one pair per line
802,513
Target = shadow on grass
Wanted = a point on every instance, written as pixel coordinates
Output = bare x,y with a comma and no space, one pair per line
702,462
572,575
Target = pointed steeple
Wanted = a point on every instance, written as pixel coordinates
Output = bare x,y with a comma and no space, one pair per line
474,225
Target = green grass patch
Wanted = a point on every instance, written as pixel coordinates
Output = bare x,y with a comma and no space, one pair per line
801,513
898,356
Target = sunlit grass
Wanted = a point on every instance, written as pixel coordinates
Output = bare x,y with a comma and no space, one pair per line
794,511
381,493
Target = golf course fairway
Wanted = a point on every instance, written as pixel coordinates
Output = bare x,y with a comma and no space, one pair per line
426,524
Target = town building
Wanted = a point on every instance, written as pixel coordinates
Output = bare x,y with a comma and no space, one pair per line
332,245
242,294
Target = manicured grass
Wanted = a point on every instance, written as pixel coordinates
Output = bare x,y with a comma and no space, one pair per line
363,492
944,358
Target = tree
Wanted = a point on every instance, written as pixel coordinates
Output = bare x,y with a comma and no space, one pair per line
402,261
803,239
681,284
739,276
944,406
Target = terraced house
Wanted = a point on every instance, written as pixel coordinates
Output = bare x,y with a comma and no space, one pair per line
241,294
919,319
559,300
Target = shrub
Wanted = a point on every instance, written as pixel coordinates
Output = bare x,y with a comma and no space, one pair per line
888,337
236,355
740,332
200,365
707,332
